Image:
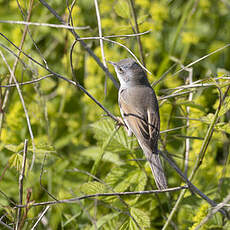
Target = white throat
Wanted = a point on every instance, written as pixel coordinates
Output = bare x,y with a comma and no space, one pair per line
124,84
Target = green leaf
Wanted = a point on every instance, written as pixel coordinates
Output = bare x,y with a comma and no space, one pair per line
141,217
15,148
122,9
208,119
120,143
105,220
93,188
223,127
16,161
118,174
43,148
192,104
225,107
92,153
126,178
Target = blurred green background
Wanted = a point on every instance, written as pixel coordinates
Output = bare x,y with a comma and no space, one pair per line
72,136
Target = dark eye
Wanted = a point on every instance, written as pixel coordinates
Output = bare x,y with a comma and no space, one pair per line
120,69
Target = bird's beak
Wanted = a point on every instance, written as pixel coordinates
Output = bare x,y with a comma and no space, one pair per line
112,63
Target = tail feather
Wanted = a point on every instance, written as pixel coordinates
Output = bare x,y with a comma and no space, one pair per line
155,165
157,170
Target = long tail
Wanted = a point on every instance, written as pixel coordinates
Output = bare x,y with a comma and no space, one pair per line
155,165
157,170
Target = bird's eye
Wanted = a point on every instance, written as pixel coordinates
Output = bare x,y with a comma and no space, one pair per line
120,69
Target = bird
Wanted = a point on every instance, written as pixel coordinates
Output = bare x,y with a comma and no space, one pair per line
140,113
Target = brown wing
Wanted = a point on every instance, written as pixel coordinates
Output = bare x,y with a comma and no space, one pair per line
140,113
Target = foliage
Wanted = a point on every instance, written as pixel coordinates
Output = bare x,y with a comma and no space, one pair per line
78,150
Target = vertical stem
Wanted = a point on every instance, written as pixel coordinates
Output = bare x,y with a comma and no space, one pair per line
101,41
187,140
140,48
21,178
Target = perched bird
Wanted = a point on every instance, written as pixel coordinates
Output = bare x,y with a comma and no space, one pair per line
139,109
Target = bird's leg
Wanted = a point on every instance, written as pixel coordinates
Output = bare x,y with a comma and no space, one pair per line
120,122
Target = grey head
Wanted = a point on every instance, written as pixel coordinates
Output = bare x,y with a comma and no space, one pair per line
130,73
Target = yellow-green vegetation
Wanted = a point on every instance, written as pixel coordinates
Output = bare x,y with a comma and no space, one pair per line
78,148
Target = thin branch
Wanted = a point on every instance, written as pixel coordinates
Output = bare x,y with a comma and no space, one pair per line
21,178
119,44
191,64
198,163
73,200
173,129
23,105
101,41
116,36
45,24
40,216
174,95
91,53
132,3
5,225
110,188
40,180
27,82
133,55
66,79
201,59
213,211
187,140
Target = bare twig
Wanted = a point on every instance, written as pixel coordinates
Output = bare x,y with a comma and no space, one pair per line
23,105
201,59
213,211
132,3
101,41
116,36
199,160
21,178
187,140
190,65
5,225
73,200
64,78
40,180
27,82
45,24
91,53
40,216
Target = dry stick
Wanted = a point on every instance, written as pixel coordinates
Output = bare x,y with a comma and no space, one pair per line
137,31
40,180
21,178
198,162
23,105
73,200
19,59
40,217
14,78
109,187
189,183
195,85
187,140
191,64
5,225
66,79
91,53
45,24
6,97
101,41
213,211
117,36
27,82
